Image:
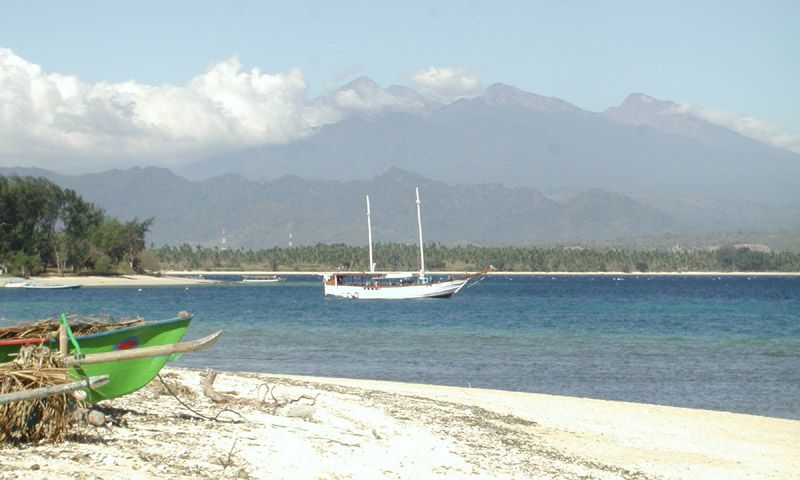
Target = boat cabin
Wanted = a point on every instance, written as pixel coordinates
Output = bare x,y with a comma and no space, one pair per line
376,280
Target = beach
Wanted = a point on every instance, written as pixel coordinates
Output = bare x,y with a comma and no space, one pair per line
109,280
188,278
342,428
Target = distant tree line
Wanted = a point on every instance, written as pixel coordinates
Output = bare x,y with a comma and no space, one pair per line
394,256
44,227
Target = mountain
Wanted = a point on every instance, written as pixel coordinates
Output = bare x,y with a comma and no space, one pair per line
262,214
516,138
669,117
543,169
506,95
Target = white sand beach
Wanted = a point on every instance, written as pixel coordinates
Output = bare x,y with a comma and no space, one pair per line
371,429
109,281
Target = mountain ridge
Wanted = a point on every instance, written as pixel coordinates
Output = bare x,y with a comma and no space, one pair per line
519,138
262,214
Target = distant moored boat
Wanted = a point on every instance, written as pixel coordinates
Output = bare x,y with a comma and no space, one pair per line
51,287
261,279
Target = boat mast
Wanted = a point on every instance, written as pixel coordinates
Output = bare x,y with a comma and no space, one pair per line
369,231
419,222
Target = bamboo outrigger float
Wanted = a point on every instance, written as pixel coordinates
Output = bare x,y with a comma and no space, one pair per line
60,389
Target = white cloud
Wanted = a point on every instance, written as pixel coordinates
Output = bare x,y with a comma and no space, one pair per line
366,99
46,117
366,96
447,83
747,126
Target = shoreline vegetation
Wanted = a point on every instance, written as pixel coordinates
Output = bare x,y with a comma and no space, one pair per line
442,258
44,228
363,429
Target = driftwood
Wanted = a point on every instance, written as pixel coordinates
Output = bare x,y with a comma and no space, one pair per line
208,388
289,407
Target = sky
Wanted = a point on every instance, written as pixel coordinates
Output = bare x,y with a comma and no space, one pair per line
106,84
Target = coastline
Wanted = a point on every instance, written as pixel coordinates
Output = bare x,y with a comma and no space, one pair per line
376,429
189,278
111,280
180,273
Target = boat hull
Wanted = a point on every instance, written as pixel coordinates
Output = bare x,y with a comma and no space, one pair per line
71,286
35,286
125,376
442,289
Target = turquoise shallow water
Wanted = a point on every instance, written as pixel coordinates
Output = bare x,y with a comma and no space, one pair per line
729,343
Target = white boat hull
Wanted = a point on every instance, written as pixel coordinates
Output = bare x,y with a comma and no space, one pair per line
52,287
397,292
33,286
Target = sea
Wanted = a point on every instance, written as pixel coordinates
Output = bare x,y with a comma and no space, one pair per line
729,343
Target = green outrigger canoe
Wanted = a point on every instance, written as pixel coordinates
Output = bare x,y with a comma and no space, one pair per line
126,375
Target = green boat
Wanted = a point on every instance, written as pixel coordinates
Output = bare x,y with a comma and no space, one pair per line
125,375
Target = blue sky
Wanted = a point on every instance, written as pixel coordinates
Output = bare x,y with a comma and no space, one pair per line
738,58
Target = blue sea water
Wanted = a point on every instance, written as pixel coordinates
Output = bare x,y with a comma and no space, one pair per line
722,343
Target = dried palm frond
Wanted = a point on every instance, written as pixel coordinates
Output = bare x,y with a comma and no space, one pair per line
41,420
48,328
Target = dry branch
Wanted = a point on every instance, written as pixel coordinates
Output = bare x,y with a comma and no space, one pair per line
208,388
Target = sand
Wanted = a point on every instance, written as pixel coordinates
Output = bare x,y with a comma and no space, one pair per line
110,281
370,429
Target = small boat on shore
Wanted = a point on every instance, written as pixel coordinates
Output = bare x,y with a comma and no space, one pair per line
34,286
37,286
131,355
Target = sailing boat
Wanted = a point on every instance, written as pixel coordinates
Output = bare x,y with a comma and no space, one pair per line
395,285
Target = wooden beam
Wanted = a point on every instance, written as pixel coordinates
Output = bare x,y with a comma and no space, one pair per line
62,339
144,352
35,393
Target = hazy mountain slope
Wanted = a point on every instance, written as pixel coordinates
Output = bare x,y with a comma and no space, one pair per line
255,214
521,139
669,117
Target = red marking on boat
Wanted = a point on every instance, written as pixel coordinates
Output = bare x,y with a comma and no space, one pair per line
127,344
